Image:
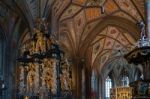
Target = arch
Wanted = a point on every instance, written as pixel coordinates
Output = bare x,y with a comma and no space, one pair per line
132,30
113,21
71,47
111,69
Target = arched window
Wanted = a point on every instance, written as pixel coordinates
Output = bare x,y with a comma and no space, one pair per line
108,86
125,80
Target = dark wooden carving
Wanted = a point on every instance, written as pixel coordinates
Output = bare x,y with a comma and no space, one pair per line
138,55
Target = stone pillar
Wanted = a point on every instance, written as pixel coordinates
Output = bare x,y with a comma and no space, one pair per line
79,80
100,87
77,73
103,89
83,84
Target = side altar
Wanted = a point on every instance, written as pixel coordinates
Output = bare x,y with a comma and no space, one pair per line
121,93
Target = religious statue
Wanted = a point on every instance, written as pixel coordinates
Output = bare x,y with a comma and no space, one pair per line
40,45
65,76
33,47
31,78
37,77
65,80
30,82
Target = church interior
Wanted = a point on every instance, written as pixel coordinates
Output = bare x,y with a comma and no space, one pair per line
74,49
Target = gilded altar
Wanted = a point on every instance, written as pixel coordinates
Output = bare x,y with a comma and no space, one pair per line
121,93
42,70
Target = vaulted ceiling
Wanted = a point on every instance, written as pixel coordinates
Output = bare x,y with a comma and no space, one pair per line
98,36
83,28
35,8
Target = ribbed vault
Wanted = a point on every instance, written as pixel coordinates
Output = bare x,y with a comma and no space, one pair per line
88,34
99,36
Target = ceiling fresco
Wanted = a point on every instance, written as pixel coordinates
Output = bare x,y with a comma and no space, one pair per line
86,17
